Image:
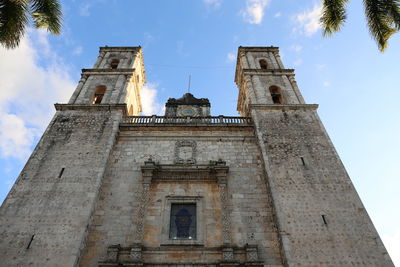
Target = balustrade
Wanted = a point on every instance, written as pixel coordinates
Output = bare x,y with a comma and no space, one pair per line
187,120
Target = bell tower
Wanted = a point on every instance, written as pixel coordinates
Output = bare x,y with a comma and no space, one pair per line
116,78
319,215
262,79
45,218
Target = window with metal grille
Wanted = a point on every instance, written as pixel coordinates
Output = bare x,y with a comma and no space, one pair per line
182,221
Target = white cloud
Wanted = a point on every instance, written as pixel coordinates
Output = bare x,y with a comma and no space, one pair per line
326,84
150,104
15,137
296,48
254,11
28,92
392,244
84,10
298,62
230,57
308,21
278,15
320,66
213,3
78,50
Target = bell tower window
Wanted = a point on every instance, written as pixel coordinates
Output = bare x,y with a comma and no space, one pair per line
263,64
114,63
99,94
276,95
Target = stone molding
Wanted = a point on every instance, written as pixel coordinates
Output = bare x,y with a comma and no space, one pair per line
214,171
120,48
184,127
284,106
119,256
100,107
268,71
108,71
259,48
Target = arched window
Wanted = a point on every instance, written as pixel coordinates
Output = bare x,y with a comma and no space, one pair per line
263,64
99,94
114,63
276,95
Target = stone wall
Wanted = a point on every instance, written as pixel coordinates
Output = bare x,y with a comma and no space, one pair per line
46,214
320,216
249,206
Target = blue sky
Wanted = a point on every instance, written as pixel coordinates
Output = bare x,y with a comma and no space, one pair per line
355,85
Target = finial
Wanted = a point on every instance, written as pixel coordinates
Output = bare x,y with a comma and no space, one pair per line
190,76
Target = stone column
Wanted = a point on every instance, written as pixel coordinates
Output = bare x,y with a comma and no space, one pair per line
249,89
226,224
296,89
274,62
278,59
83,97
228,259
147,173
103,63
78,89
112,93
124,90
221,172
99,60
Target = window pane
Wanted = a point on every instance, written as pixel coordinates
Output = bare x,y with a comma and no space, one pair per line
183,221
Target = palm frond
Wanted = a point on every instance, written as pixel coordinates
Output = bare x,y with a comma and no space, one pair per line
13,20
379,22
20,1
333,15
47,14
393,10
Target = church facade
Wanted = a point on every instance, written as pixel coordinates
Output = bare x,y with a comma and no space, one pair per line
107,187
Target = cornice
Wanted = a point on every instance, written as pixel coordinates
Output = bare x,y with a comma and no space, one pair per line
284,107
120,48
259,48
268,71
100,107
108,71
184,127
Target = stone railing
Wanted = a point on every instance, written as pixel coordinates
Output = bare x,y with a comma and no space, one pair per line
221,120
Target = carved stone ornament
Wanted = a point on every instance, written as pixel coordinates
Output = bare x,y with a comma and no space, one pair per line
227,254
112,253
136,253
251,253
185,152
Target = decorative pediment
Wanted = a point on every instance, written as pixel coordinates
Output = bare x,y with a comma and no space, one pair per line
187,99
214,171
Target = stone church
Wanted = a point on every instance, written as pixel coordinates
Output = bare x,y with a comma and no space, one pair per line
107,187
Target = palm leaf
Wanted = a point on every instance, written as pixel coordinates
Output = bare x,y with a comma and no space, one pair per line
379,22
47,14
333,15
393,10
13,20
